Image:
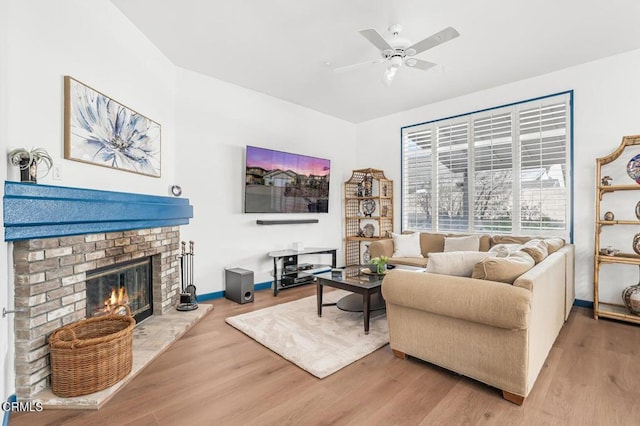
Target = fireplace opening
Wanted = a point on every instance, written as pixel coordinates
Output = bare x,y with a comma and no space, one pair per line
125,283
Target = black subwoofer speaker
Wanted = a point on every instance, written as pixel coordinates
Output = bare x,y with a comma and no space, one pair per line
239,285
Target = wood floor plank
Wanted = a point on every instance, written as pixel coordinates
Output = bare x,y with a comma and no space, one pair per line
216,375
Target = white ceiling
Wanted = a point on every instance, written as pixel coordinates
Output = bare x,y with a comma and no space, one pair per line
288,48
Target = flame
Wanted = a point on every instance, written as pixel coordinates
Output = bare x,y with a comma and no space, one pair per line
118,297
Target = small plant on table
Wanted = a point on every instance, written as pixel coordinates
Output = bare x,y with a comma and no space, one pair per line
378,264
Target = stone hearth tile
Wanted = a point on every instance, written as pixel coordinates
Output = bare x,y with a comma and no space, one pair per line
150,338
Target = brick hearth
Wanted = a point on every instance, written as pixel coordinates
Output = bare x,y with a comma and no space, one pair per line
50,287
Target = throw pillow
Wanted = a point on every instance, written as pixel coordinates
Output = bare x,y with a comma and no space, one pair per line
458,263
536,249
470,243
509,239
407,245
504,250
503,269
554,244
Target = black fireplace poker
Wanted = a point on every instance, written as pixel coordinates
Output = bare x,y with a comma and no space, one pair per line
188,298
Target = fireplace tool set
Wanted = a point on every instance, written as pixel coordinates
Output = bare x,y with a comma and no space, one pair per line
188,299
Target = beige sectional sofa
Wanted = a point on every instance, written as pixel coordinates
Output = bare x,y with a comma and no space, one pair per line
498,333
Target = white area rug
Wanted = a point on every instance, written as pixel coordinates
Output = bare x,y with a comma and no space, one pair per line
320,346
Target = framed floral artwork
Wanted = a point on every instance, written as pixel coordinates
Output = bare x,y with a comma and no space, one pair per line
101,131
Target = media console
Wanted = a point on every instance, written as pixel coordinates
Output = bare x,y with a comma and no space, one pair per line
292,273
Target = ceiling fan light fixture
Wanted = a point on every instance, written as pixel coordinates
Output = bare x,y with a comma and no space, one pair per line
410,52
395,61
410,62
390,74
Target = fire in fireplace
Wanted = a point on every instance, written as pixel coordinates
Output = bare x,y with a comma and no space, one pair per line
124,283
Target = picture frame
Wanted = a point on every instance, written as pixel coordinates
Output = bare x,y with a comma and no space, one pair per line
101,131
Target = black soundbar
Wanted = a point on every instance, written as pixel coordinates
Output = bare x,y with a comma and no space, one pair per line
285,221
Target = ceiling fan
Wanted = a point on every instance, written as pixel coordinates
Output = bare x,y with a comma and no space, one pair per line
399,51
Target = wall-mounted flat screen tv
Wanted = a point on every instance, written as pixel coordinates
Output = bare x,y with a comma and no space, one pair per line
282,182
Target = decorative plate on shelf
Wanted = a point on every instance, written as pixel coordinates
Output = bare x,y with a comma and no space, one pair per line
638,210
368,207
633,168
368,230
636,243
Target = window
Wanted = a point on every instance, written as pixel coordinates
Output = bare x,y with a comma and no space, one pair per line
504,170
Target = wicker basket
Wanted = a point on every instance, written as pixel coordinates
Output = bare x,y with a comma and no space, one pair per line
91,354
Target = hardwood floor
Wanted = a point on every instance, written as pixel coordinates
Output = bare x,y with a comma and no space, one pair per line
215,375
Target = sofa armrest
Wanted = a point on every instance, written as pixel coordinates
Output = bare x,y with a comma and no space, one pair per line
381,248
481,301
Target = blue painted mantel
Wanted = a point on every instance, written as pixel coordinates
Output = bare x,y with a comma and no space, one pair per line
43,211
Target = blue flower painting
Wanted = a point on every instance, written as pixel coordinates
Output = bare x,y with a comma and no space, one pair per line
101,131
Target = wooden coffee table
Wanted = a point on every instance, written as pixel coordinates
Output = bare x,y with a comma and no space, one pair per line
367,289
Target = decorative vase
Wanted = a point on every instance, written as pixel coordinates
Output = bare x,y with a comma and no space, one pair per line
366,256
631,298
28,172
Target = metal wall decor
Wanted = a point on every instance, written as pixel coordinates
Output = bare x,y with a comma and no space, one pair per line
98,130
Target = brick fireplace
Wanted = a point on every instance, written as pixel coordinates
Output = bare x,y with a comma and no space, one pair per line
52,256
50,287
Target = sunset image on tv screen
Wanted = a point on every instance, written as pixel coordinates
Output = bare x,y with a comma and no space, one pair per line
282,182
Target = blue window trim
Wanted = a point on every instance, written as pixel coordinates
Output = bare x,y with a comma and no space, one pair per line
571,149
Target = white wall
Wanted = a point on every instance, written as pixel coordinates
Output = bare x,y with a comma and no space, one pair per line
40,42
606,108
215,121
6,293
95,43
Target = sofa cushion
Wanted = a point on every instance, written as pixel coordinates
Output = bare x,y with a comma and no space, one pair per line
419,262
508,239
459,298
469,243
504,250
536,249
406,245
503,269
554,244
457,263
431,243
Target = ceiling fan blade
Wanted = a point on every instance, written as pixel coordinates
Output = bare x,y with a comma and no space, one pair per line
419,63
376,39
356,66
443,36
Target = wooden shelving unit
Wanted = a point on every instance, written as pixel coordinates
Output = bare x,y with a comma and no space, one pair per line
364,223
617,311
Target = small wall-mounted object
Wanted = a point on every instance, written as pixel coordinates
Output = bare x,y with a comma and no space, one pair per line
285,221
176,190
609,216
606,181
